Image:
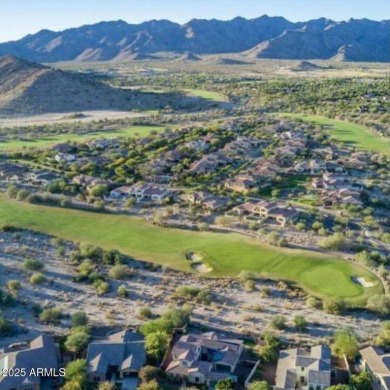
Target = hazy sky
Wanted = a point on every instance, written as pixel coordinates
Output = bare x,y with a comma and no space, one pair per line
22,17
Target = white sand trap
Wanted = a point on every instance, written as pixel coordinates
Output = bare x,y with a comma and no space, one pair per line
194,257
362,282
202,268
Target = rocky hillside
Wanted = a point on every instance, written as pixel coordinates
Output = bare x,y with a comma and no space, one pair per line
28,88
263,37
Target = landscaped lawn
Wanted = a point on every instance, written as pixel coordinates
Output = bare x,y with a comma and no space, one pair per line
227,253
208,95
347,132
50,140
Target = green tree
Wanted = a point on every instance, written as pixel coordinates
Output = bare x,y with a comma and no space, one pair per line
148,373
268,354
76,375
77,341
345,343
225,384
361,381
75,368
152,385
106,386
156,344
259,385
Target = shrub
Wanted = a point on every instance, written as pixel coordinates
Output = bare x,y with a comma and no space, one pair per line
101,287
33,265
334,242
51,316
250,285
118,272
145,312
37,278
79,319
334,306
300,323
380,304
313,303
13,285
122,291
278,322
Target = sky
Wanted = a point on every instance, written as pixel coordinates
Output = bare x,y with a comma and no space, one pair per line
21,17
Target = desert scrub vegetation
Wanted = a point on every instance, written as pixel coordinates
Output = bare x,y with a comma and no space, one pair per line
37,278
192,293
33,265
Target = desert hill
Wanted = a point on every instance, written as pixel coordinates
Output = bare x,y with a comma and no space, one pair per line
28,88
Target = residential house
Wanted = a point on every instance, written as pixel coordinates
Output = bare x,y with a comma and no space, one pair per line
245,209
311,166
283,215
304,369
142,193
41,353
210,163
64,157
42,177
206,200
377,363
199,145
104,143
204,359
267,210
118,358
242,183
12,172
89,181
343,196
215,203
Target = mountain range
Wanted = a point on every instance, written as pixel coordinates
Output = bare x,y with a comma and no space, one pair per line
263,37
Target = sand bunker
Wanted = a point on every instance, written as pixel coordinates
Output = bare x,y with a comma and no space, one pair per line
202,268
192,256
362,282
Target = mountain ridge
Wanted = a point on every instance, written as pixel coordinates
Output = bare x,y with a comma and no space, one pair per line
28,88
262,37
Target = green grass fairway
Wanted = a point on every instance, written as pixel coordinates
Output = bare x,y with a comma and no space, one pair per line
207,95
227,253
347,132
56,139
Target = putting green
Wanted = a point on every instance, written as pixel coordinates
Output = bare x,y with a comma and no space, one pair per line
226,253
